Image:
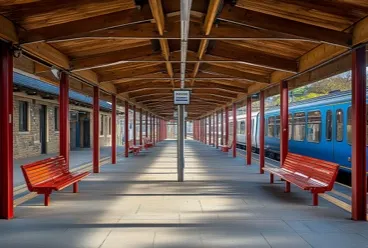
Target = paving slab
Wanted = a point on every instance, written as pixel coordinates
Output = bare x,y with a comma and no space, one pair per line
222,203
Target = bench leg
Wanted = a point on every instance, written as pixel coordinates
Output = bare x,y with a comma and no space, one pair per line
271,178
315,199
75,187
287,187
47,199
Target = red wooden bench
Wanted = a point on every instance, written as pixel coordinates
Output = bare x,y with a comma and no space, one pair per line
134,148
315,175
147,143
50,174
226,148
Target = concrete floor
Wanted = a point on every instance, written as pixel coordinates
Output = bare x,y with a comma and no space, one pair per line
77,158
222,203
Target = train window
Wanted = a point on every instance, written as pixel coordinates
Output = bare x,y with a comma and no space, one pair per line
266,129
242,127
290,126
348,127
299,126
329,125
277,127
271,126
314,126
339,125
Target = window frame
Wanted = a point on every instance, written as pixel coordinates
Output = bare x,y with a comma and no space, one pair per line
331,125
23,126
273,126
294,125
342,117
56,119
320,127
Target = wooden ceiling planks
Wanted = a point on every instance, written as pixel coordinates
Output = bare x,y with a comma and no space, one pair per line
134,51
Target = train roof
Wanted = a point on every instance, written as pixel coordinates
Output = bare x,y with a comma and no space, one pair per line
332,98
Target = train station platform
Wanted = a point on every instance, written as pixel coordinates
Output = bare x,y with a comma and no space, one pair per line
222,203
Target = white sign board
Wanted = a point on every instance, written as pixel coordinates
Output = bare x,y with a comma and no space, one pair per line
181,97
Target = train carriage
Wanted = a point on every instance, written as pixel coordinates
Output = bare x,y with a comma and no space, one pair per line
319,127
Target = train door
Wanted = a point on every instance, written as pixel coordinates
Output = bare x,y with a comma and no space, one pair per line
341,148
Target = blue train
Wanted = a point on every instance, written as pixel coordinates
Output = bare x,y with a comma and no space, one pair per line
319,127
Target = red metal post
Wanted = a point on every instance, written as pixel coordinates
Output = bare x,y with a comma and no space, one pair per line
126,128
113,130
234,130
359,119
134,125
140,128
64,117
213,130
151,128
261,132
222,127
154,130
205,130
96,129
226,125
6,132
209,130
146,126
249,131
284,139
217,130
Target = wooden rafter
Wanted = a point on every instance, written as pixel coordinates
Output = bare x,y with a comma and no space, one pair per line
158,15
285,26
213,8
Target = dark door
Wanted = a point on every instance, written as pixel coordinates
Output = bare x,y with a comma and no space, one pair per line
86,133
43,129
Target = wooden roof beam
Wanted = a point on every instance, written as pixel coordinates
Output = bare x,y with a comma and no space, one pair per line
158,15
8,31
213,8
86,26
253,57
263,21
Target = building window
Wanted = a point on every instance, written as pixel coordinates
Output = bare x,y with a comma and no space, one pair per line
23,116
290,126
277,127
339,125
101,125
329,125
314,126
271,126
56,118
109,125
299,126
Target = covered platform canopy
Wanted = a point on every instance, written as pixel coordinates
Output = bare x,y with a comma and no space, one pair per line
132,48
133,51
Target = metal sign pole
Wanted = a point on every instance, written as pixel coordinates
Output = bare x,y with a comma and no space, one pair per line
180,160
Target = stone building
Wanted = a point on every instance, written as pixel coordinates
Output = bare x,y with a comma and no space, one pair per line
36,119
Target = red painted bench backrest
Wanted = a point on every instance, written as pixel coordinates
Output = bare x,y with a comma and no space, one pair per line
44,170
314,169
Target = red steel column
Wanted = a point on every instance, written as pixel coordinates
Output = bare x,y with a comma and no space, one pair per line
222,127
96,129
126,128
113,130
6,132
134,125
64,117
261,132
284,105
217,130
249,130
205,130
151,128
226,125
154,130
213,130
209,130
359,118
234,130
140,127
146,127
